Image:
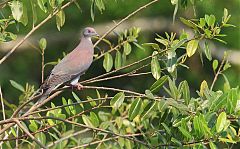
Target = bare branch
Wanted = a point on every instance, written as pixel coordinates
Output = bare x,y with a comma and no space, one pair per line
29,134
34,29
126,18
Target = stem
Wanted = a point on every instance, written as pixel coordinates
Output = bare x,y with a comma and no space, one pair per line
218,72
42,65
33,30
126,18
29,134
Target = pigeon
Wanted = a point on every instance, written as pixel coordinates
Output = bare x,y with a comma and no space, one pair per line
72,66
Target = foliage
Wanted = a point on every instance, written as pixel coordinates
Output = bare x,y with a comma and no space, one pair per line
166,115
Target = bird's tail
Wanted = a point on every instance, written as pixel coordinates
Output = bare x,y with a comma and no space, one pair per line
45,95
42,98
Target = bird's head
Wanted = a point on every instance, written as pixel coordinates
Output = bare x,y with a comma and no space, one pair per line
89,32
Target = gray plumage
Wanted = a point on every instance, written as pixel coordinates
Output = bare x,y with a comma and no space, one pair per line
72,66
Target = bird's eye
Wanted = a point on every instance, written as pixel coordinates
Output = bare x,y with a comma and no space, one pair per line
89,31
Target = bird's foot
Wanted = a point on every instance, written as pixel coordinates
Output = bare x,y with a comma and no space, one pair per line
78,86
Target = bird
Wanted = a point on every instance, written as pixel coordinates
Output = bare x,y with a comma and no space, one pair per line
72,66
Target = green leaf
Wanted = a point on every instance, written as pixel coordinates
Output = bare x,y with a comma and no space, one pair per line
208,33
221,121
168,130
226,66
185,132
158,84
34,12
202,22
117,100
212,145
118,60
192,47
108,62
188,23
135,108
124,58
43,43
75,96
184,88
178,44
177,142
162,41
215,65
211,20
72,107
104,116
60,19
232,99
17,9
127,48
100,5
207,52
87,121
24,18
149,94
59,2
148,109
13,131
173,88
94,119
52,3
139,46
93,10
155,67
41,137
220,40
17,86
64,102
153,45
42,4
203,87
92,103
33,126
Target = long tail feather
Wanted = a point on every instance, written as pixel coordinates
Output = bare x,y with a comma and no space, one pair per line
42,98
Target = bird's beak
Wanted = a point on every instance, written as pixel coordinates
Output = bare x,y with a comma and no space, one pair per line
96,34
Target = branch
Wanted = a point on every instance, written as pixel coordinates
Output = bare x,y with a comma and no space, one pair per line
3,109
3,4
29,134
218,72
85,126
124,19
67,137
124,67
33,30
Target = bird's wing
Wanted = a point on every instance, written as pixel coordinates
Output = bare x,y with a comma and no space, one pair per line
55,79
74,63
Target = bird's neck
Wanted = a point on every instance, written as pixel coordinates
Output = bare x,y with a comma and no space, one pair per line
86,40
86,44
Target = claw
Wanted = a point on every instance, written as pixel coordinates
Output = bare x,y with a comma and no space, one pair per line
78,86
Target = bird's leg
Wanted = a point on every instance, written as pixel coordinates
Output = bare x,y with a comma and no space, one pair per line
78,86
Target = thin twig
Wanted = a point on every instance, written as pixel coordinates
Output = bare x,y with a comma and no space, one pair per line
68,136
119,76
124,67
29,134
124,19
42,72
34,29
3,4
85,126
218,72
110,50
2,102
